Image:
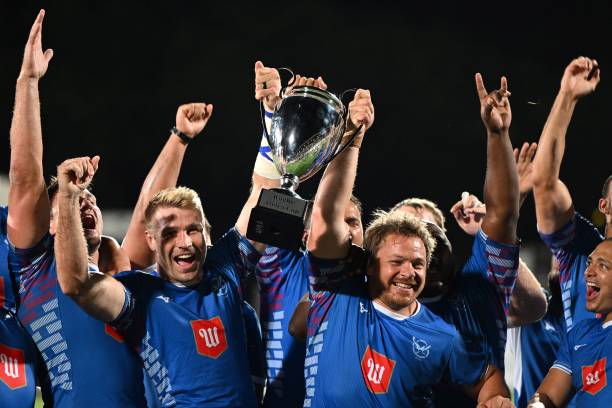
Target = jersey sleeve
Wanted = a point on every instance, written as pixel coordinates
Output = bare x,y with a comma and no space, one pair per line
563,361
27,263
234,254
496,262
465,366
577,237
328,275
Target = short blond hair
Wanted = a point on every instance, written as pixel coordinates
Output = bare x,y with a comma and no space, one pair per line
175,197
394,222
420,204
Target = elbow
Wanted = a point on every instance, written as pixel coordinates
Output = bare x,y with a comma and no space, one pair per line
70,287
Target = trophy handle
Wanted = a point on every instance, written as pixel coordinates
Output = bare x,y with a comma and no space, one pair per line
262,111
340,148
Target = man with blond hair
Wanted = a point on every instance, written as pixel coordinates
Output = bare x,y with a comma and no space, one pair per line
186,323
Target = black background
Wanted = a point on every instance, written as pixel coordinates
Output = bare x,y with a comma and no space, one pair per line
121,69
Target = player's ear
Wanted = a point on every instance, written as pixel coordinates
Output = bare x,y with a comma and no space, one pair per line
150,240
604,206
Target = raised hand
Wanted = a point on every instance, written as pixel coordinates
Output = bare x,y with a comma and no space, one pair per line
495,106
361,112
35,61
524,167
469,213
75,175
267,85
576,82
192,117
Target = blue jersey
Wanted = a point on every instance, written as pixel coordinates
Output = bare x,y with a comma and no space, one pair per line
88,362
255,348
533,350
584,354
192,340
17,351
572,245
478,303
360,354
282,277
7,291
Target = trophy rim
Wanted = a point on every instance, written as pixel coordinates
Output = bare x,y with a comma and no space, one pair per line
317,93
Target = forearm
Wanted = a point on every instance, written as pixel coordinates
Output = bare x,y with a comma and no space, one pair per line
163,174
329,236
501,193
26,134
70,247
528,303
493,385
551,147
28,200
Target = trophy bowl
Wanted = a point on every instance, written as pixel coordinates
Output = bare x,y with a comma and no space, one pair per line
306,130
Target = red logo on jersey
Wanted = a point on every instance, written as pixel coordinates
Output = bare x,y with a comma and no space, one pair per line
209,336
12,367
594,377
114,333
377,371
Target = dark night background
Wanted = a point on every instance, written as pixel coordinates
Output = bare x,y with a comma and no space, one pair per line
121,69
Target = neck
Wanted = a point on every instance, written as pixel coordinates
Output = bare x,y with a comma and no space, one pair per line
405,311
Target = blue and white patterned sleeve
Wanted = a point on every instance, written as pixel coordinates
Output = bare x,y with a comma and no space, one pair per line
496,262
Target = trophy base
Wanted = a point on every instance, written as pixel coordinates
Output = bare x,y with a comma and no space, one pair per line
278,219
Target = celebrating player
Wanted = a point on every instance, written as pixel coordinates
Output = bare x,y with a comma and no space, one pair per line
78,351
582,361
568,234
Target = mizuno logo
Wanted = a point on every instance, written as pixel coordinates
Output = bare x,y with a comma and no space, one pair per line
577,346
164,298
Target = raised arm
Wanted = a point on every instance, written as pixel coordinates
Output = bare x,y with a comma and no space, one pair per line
28,220
329,236
265,175
98,294
191,119
554,207
501,193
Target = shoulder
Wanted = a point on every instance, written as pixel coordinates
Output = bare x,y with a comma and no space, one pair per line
427,319
137,278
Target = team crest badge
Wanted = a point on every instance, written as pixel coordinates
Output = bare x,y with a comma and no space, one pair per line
377,370
594,377
420,348
12,367
209,336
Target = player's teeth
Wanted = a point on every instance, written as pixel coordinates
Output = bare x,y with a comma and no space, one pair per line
401,285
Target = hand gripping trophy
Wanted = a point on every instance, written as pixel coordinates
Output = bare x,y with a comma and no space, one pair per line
305,135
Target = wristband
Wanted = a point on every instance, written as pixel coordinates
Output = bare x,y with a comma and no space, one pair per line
186,139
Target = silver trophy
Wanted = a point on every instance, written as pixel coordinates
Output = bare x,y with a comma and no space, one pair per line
306,134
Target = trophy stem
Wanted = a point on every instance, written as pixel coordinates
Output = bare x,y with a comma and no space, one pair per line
289,182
